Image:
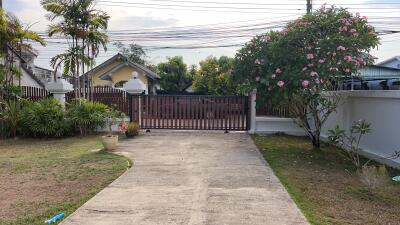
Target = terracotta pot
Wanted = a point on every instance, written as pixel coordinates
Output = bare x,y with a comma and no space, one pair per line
109,142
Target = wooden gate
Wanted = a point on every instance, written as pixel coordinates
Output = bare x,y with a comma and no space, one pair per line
190,112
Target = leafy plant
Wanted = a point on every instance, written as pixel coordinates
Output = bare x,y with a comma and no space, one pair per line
350,142
132,129
112,117
10,115
87,116
44,118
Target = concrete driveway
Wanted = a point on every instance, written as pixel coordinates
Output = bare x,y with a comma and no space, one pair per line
191,178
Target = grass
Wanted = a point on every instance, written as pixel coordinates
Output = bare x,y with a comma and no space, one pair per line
325,185
41,178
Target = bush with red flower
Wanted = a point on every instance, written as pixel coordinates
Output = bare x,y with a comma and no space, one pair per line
296,66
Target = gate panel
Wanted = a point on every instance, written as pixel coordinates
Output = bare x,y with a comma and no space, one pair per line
190,112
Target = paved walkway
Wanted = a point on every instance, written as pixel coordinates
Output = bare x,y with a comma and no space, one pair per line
191,178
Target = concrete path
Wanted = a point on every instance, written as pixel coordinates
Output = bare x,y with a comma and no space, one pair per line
191,178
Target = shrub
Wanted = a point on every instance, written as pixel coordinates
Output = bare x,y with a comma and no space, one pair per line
87,116
374,177
132,129
44,118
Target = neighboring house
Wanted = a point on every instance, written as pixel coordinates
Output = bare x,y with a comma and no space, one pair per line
393,62
374,77
379,72
119,69
25,61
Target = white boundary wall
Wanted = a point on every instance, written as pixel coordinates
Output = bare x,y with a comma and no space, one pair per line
380,108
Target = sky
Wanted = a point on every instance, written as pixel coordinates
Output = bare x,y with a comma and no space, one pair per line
154,24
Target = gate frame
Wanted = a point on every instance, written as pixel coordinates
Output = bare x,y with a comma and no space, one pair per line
245,112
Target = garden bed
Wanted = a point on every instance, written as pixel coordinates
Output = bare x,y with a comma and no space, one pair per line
41,178
325,185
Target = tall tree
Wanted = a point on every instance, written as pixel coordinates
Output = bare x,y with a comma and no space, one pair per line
174,74
84,28
296,66
134,52
214,76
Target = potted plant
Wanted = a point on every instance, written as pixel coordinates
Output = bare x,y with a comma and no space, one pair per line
110,140
132,130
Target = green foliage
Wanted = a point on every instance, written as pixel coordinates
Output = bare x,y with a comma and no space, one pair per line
174,74
214,76
44,118
87,116
132,129
350,142
10,115
134,52
112,116
297,65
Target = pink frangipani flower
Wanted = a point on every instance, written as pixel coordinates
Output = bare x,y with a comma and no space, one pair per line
317,81
305,83
348,58
258,78
341,48
304,68
280,83
273,76
257,62
278,70
310,56
321,60
313,74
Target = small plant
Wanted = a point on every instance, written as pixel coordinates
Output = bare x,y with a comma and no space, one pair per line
132,129
112,116
350,142
10,115
373,177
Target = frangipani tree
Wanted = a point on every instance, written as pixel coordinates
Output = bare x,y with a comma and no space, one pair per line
296,66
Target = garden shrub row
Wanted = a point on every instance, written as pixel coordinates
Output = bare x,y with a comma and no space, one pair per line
47,118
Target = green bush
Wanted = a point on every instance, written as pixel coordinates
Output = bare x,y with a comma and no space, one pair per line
132,129
44,118
87,116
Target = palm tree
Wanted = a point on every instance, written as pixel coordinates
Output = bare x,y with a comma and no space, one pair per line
81,25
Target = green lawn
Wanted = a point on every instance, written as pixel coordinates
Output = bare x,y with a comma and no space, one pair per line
41,178
325,186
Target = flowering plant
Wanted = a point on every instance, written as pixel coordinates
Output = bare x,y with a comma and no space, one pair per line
297,65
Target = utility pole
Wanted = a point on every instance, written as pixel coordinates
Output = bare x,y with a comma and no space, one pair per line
309,6
1,4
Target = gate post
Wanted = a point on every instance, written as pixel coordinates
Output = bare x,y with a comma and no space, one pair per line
133,87
252,115
130,107
59,88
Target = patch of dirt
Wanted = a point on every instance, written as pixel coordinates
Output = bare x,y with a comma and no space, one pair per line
27,192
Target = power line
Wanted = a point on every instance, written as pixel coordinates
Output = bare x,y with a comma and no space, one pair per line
196,10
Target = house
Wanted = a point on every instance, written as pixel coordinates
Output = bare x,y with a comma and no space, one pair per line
393,62
117,70
379,72
25,61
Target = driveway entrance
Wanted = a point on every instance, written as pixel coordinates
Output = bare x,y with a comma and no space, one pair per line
189,178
